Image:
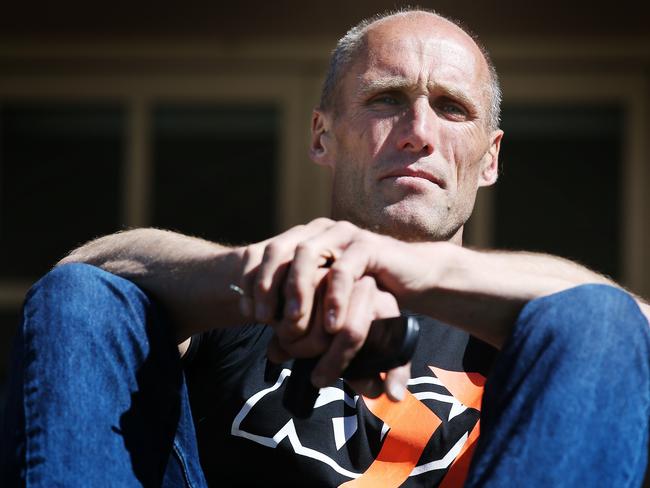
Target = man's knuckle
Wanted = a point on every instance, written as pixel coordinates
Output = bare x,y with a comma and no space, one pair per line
272,250
368,282
248,253
306,248
345,226
321,221
366,238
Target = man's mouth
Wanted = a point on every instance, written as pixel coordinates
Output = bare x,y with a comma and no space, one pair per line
415,173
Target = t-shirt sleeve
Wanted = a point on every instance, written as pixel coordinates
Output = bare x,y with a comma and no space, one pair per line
214,341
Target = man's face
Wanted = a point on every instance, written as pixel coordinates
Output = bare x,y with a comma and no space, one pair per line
410,145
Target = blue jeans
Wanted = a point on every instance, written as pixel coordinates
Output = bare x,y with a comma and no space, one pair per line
568,402
98,398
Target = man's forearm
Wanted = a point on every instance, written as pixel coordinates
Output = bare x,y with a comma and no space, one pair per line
484,291
481,292
189,277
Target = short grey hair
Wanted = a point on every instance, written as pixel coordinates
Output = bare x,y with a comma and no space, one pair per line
349,46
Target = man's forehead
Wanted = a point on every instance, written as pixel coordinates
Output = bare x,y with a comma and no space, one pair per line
400,55
420,41
411,59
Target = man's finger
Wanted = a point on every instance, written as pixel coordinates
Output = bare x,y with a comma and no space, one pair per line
349,339
291,332
265,266
271,272
396,382
308,345
348,269
310,254
368,387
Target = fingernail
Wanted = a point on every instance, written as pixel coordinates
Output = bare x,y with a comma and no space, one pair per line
245,306
330,320
293,309
261,312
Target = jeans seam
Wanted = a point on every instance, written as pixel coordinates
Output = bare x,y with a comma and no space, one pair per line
27,418
181,459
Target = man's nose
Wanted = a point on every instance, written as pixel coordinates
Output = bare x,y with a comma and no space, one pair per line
418,128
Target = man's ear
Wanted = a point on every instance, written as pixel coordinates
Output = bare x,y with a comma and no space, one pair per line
490,163
320,147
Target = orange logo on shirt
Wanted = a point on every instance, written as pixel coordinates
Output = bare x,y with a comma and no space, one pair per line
412,424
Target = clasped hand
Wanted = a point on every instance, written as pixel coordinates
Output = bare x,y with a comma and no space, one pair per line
320,285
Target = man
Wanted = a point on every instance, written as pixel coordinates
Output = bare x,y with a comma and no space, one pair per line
408,124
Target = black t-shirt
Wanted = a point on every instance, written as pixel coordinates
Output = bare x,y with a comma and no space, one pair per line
247,438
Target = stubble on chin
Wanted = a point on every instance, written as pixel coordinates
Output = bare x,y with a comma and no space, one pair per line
411,219
414,226
399,221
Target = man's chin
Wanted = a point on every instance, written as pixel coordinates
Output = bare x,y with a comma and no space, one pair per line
408,220
412,226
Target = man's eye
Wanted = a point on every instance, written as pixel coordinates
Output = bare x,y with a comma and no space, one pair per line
453,110
385,100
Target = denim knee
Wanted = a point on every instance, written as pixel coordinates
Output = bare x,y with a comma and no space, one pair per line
567,402
97,377
76,297
588,319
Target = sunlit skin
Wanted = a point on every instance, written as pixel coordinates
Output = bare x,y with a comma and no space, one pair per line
410,142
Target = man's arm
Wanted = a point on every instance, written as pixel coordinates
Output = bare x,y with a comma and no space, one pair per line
480,292
189,277
484,291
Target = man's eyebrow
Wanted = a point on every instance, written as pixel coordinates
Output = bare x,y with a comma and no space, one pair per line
385,83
